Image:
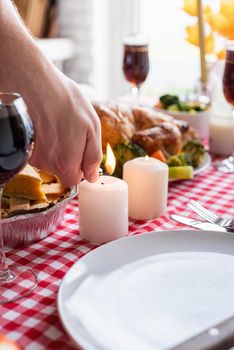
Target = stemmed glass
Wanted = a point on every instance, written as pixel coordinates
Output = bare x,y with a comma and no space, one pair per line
135,62
227,165
16,141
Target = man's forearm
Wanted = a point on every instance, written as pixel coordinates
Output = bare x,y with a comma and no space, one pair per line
67,129
23,68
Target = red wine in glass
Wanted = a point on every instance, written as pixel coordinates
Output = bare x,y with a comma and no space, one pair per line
16,141
16,136
228,77
135,61
228,90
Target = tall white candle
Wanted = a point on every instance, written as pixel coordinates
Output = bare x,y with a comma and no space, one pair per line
202,44
103,207
221,139
147,180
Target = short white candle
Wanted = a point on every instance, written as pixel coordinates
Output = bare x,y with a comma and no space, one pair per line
221,140
147,180
103,207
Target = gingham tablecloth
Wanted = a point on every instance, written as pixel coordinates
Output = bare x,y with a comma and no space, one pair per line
34,321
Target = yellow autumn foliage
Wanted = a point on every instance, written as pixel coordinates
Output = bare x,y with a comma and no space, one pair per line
193,38
221,54
190,7
220,23
223,26
227,9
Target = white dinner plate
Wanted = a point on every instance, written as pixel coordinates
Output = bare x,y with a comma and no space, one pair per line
206,163
150,291
204,166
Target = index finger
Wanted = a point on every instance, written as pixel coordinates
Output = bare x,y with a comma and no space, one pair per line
92,156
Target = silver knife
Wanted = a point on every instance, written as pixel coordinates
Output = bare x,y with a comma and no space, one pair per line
201,225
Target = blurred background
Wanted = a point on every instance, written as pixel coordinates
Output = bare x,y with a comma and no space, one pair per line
84,39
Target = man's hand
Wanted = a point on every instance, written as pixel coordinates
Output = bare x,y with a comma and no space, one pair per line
67,129
68,137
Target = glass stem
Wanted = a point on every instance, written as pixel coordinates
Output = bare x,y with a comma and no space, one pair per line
4,269
135,95
233,135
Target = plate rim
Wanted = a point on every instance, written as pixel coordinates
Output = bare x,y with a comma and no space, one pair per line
206,163
183,113
82,341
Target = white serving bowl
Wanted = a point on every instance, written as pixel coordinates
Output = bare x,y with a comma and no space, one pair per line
199,121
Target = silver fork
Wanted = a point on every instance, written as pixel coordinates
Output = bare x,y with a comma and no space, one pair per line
209,216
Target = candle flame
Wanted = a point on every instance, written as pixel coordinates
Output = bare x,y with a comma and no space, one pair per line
110,160
146,158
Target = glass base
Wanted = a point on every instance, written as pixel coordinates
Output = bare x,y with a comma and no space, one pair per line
226,165
20,282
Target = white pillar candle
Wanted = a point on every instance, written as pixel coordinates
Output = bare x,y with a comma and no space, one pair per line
221,140
147,180
103,207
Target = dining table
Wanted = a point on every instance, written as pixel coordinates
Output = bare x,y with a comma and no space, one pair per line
34,322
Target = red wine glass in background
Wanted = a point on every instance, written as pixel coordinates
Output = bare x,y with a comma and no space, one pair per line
227,165
135,62
16,140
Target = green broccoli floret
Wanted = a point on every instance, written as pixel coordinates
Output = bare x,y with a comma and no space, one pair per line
173,108
124,152
173,103
168,100
184,107
196,151
181,159
200,108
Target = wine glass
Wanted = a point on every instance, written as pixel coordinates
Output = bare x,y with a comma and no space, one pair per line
16,141
227,165
135,62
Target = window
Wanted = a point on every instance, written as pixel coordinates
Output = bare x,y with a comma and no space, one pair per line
174,63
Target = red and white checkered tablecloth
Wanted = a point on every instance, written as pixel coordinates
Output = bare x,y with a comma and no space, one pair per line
34,322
